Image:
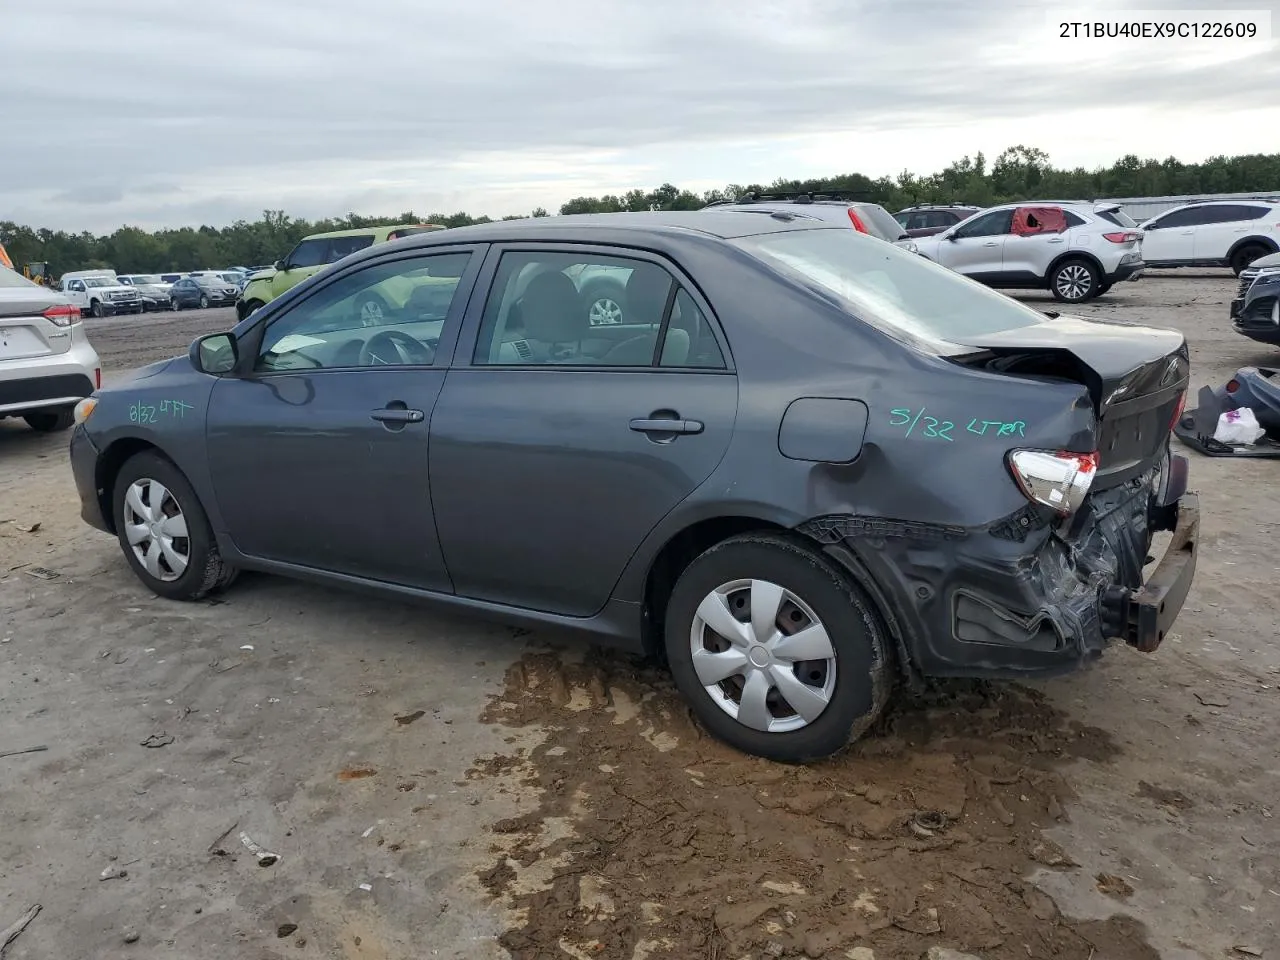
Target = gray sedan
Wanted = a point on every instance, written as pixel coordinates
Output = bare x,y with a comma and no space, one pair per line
803,465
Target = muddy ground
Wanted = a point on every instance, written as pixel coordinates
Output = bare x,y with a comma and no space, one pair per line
439,787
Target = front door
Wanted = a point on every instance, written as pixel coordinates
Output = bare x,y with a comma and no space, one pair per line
1171,238
556,446
318,447
976,248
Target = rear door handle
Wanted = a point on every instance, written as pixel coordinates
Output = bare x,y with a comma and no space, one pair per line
392,415
991,244
1055,240
663,425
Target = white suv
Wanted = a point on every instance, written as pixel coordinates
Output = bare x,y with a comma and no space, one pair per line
1074,249
1213,233
47,364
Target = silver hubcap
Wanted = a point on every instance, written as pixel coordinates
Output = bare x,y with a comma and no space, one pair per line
604,311
156,529
763,656
370,313
1073,281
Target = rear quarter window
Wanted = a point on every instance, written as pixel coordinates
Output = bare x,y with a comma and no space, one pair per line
1118,217
901,293
878,220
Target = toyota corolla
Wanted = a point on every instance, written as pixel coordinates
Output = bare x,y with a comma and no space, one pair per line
806,467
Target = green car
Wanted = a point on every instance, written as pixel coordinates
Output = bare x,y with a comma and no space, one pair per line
313,254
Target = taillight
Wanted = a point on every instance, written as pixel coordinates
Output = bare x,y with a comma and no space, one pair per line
63,314
1178,409
1126,237
857,222
1233,385
97,378
1059,481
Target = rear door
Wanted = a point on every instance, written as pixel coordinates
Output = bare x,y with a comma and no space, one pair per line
556,445
1230,222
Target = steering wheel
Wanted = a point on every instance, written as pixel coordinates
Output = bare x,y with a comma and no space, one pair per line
391,347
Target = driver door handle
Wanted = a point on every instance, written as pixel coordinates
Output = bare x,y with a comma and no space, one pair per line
391,415
666,426
991,243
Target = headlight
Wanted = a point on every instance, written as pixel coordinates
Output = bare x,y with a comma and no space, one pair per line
84,409
1267,272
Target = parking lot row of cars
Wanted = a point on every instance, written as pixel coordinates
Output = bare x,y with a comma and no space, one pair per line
105,293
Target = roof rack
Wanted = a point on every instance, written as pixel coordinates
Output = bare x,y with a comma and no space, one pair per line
803,196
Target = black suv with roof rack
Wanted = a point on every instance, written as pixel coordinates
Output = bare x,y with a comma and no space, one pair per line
926,219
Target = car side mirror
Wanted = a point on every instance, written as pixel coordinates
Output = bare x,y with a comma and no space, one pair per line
215,354
281,265
953,237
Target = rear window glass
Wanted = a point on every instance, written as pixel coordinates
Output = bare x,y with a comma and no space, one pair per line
11,278
1118,217
878,221
897,291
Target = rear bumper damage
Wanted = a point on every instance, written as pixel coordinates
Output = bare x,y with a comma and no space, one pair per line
1026,596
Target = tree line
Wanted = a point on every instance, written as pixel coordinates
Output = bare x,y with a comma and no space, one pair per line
1018,173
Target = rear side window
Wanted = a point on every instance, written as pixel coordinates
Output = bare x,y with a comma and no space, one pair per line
1074,221
899,292
340,247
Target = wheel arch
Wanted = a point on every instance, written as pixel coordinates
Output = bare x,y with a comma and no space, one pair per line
1253,241
108,467
1085,255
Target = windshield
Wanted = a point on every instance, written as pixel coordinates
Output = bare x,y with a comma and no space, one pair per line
148,278
888,287
879,222
1118,217
101,282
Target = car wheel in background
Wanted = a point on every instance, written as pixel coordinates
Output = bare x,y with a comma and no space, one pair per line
50,421
371,310
1246,255
174,305
1074,281
778,652
164,531
204,302
95,308
606,303
246,307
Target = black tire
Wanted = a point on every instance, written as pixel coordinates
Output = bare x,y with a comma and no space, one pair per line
1074,280
862,649
204,302
51,421
95,308
246,307
1103,288
205,572
1246,255
174,305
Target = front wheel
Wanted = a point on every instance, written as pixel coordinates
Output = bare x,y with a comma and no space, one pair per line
779,653
174,305
246,307
372,310
50,421
1075,281
204,302
164,531
95,309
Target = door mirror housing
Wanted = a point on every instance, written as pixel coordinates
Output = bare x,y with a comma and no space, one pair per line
215,354
281,265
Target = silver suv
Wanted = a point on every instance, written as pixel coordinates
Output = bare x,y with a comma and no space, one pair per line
47,365
1074,249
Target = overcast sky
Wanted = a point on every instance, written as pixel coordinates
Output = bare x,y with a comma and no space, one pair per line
170,112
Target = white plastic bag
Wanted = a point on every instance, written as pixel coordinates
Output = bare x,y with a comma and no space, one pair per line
1238,426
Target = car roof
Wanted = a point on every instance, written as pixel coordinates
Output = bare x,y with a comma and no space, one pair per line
603,227
366,231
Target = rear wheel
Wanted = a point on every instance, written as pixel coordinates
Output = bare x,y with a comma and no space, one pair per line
174,305
1246,255
204,302
779,653
372,310
50,421
1074,281
606,303
164,531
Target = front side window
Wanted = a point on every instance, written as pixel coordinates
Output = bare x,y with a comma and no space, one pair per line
564,309
308,253
387,314
989,225
340,247
897,291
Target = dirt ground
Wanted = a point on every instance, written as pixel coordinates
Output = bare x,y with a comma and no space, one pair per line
440,787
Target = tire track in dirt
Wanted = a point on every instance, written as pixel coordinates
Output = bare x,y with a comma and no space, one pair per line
652,840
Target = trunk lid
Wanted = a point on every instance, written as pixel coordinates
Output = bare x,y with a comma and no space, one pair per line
24,331
1136,377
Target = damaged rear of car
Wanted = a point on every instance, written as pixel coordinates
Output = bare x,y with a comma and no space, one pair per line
1014,474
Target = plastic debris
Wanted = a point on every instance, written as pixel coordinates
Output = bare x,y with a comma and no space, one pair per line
11,932
265,857
1238,426
113,873
247,646
157,740
367,887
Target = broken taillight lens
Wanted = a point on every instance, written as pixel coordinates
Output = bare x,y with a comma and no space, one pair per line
1059,481
1233,385
1127,236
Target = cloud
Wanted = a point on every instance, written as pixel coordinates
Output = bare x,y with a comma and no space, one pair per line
219,110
